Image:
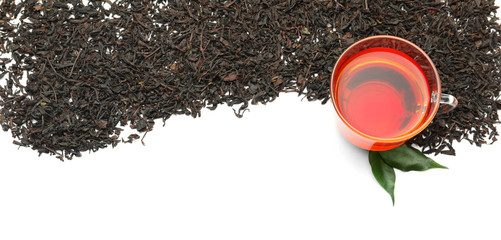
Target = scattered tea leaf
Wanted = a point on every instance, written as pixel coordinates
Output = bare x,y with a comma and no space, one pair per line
230,78
305,30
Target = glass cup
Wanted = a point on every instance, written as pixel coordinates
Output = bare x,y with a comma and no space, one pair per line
438,102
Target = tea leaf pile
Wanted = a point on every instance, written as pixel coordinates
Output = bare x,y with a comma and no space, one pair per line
74,73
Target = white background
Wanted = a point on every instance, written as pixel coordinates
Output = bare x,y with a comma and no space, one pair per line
281,172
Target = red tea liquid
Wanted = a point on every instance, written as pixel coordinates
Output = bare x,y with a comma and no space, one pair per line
382,93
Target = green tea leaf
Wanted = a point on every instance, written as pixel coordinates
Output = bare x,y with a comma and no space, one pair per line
407,158
384,173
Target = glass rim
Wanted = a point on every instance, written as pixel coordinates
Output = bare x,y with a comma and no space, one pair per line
418,128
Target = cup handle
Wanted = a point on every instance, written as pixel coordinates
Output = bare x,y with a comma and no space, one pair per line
447,104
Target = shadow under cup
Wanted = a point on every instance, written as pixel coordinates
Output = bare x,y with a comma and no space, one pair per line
365,140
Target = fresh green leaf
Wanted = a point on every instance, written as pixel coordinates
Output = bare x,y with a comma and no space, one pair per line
407,158
384,173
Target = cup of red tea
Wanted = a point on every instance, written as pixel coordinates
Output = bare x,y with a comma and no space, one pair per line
385,90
